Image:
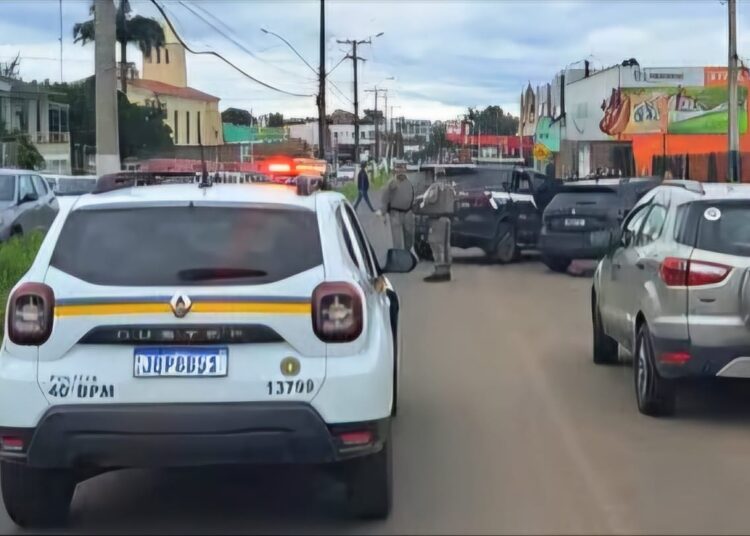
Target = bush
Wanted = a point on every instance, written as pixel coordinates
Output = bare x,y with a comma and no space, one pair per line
16,256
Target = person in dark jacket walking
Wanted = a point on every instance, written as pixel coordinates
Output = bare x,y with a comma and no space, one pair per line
363,187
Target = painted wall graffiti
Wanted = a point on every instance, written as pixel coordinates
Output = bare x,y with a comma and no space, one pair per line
670,110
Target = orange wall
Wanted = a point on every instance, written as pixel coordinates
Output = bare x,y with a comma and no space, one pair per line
646,146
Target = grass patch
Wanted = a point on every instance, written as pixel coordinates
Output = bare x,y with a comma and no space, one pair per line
16,256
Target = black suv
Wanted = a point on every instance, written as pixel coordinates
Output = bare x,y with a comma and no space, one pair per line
498,209
578,222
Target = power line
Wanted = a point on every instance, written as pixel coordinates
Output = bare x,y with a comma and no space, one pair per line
228,35
222,58
342,60
334,86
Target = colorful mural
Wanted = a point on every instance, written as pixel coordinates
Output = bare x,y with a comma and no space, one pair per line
670,110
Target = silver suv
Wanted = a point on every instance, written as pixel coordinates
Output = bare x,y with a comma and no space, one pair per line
674,289
27,203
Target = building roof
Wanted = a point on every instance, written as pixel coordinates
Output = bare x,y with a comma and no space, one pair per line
160,88
18,86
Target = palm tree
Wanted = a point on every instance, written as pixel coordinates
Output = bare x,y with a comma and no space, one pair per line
146,32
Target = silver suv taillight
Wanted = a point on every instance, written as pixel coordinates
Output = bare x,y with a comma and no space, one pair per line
30,314
337,312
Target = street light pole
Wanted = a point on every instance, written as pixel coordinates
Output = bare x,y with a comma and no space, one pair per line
734,139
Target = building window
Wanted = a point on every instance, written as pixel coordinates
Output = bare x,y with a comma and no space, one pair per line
175,135
166,55
158,55
187,127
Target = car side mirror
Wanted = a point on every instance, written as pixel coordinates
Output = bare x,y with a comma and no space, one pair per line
28,198
399,261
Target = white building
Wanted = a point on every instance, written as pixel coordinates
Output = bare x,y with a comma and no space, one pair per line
26,108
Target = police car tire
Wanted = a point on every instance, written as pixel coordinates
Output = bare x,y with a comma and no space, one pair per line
506,231
556,264
36,497
369,483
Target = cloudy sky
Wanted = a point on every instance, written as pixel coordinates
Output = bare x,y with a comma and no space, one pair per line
444,55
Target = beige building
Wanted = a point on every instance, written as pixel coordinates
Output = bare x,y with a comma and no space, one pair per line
164,84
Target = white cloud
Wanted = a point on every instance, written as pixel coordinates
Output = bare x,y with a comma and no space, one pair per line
446,55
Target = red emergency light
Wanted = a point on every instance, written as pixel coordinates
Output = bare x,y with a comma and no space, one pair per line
281,167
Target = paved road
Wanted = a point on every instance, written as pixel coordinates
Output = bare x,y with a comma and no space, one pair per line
505,426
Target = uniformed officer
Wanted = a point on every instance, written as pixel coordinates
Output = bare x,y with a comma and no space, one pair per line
438,204
397,200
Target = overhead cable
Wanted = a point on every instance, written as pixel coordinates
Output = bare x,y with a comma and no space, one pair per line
222,58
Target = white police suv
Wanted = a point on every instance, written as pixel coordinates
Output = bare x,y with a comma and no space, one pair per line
181,324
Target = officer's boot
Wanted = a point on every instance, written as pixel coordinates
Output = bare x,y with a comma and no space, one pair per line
441,273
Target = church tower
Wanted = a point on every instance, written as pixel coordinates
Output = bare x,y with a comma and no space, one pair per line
167,64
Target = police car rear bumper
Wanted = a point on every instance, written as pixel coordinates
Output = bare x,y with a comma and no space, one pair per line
182,435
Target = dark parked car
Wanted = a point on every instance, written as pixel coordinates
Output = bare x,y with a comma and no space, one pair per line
498,210
578,222
26,203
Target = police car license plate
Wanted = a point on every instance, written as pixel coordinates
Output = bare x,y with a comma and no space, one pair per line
575,222
189,362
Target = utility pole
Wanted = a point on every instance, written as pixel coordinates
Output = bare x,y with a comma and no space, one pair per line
353,56
61,41
107,136
377,91
734,138
322,129
387,138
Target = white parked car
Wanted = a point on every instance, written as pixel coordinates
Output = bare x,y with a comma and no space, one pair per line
178,325
346,173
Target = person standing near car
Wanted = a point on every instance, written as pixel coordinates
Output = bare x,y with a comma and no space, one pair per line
397,200
437,204
363,187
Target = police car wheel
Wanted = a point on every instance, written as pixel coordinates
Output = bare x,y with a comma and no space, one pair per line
506,249
36,497
369,482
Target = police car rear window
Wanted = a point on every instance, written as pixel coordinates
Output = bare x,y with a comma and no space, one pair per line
187,246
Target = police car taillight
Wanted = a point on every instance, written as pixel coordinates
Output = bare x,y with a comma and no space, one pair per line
30,314
337,312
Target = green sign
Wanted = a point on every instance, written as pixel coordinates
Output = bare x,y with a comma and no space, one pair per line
548,134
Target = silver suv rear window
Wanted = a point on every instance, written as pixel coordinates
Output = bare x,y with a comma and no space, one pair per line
724,228
187,246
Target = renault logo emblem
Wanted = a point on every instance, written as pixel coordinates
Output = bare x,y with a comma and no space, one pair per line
180,304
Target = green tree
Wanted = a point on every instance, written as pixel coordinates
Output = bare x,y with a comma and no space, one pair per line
493,120
142,130
276,120
237,116
147,33
437,142
28,155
